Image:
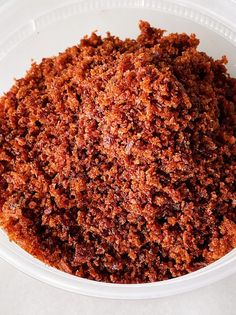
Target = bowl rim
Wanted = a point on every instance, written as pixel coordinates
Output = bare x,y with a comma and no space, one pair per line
194,11
23,261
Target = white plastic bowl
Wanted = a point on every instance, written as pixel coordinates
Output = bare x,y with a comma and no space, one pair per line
35,29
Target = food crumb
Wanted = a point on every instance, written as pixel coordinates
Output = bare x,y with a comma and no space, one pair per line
117,158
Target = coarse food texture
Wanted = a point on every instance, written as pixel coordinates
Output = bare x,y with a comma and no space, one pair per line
117,158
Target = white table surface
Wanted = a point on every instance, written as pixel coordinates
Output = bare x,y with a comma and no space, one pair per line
22,295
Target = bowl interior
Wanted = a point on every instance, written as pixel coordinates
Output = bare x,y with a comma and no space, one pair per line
53,32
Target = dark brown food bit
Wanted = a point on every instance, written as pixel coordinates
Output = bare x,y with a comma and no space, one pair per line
117,158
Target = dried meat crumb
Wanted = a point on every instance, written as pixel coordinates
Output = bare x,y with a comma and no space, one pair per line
117,158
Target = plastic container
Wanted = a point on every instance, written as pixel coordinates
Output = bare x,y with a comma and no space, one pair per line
35,29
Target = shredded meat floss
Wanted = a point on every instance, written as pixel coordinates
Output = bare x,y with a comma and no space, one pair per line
117,158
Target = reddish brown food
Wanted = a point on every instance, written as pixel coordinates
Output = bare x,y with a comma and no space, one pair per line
117,158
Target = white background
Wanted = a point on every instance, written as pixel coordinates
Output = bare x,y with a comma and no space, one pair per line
22,295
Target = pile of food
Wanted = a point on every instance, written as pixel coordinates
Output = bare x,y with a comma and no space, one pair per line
117,158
